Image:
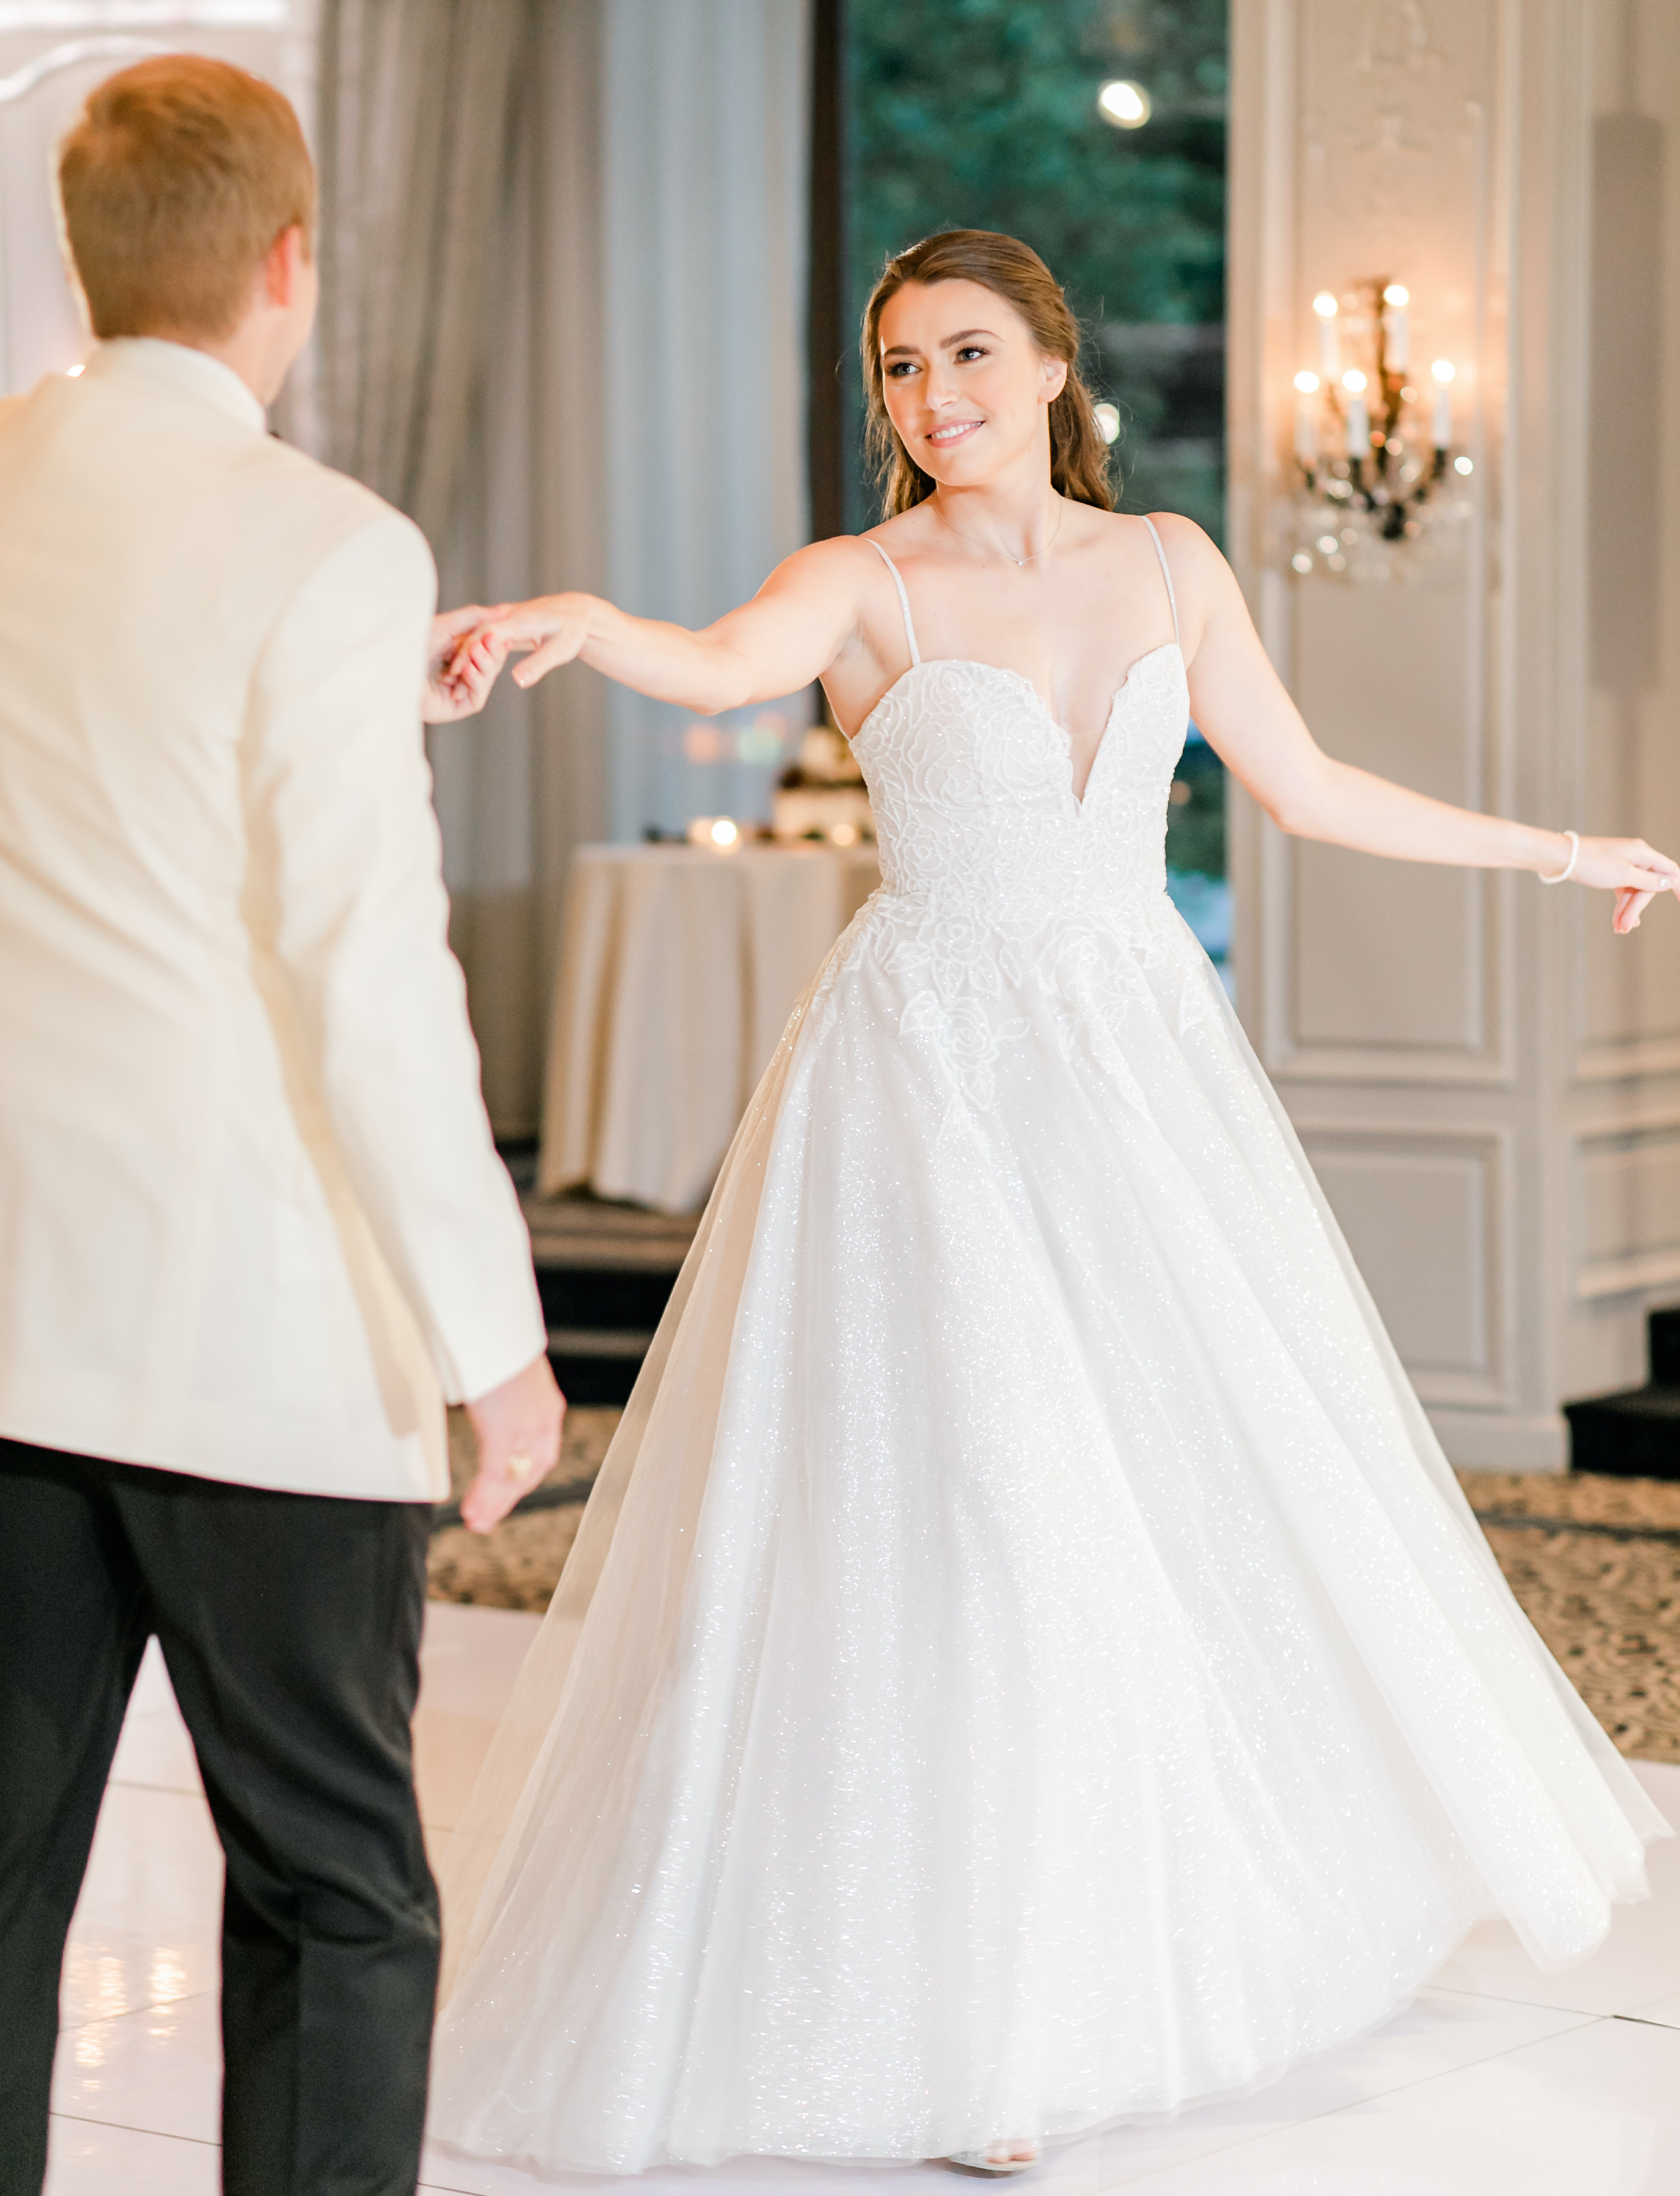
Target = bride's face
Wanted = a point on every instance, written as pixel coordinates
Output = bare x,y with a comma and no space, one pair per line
965,385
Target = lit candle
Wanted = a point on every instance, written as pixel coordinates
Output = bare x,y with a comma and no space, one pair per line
1306,417
1330,346
1444,371
1397,327
1358,420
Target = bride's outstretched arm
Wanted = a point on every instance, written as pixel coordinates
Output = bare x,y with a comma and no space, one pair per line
786,636
1240,703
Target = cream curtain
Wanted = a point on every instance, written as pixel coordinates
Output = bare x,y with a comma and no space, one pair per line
416,104
562,325
519,787
706,149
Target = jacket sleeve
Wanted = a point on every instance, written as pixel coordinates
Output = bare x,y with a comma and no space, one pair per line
344,843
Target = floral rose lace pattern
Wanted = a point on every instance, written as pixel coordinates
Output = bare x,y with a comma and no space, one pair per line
998,884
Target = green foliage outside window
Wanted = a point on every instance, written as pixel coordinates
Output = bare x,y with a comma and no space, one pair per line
984,115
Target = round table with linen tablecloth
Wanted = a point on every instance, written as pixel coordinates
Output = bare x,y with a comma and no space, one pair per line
678,968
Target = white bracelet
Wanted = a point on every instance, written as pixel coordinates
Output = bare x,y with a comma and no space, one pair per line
1568,869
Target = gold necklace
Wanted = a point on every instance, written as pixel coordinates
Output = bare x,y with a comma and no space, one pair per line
1018,562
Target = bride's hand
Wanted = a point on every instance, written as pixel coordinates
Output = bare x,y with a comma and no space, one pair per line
462,662
1635,872
554,628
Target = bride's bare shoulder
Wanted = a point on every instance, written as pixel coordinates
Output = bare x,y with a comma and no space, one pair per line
1193,557
1182,536
1126,532
845,560
854,563
846,578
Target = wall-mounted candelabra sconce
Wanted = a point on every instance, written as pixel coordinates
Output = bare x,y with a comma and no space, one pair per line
1379,486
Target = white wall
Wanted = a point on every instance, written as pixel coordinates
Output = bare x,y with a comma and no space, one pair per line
52,54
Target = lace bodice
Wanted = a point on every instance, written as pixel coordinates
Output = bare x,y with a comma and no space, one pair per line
998,880
971,779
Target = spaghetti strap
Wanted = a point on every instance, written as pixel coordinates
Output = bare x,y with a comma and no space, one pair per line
1166,574
903,598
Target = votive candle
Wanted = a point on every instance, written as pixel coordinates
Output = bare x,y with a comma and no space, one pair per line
1444,373
1330,340
1397,328
1306,417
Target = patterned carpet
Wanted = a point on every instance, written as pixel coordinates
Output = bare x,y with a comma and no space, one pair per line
1595,1561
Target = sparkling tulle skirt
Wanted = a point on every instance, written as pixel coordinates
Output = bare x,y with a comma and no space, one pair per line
1027,1661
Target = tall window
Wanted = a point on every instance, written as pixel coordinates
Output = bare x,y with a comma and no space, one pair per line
1096,131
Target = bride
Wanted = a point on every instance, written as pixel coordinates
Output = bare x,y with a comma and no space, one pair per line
1026,1661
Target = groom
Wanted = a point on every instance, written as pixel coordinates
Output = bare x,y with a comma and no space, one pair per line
252,1227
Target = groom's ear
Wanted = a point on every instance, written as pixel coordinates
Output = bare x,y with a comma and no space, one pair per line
287,267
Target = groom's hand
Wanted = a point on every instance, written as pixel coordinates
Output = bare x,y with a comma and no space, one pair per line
462,663
519,1430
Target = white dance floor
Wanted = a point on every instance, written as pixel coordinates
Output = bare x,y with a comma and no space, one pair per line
1499,2079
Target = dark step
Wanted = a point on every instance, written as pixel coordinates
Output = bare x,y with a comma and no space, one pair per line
1634,1434
604,1272
595,1376
604,1296
600,1321
1662,1333
597,1343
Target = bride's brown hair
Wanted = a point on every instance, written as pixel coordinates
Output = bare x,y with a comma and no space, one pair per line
1079,457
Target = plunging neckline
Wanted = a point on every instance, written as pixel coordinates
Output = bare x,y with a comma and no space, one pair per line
1020,678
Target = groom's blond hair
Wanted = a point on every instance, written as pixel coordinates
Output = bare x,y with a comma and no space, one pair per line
178,179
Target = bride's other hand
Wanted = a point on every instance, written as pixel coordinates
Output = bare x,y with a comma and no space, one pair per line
517,1426
462,663
1635,872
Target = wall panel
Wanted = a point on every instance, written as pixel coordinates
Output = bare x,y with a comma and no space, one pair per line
1424,1210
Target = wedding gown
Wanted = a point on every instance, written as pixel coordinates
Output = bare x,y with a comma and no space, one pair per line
1027,1660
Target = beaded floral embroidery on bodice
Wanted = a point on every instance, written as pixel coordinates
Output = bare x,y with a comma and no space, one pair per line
995,874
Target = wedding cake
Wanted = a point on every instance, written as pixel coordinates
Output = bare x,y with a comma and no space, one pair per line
823,796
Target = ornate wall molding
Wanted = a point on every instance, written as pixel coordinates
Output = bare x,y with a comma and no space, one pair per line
1627,1216
1427,1207
72,53
61,16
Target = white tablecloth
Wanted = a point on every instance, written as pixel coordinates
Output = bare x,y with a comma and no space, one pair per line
678,968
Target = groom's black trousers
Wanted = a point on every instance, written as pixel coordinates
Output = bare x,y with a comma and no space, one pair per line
290,1624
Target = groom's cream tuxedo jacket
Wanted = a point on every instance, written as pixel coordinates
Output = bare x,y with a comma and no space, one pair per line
251,1221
